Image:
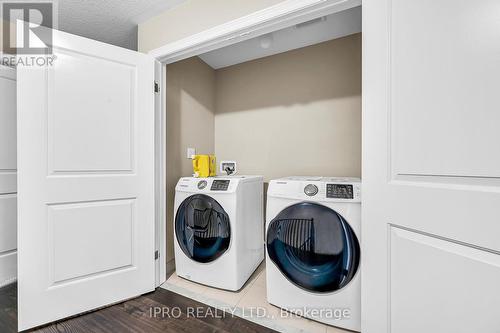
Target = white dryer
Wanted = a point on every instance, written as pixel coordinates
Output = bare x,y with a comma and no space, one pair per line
219,229
313,229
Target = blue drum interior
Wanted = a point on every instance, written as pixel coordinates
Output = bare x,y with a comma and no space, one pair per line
314,247
202,228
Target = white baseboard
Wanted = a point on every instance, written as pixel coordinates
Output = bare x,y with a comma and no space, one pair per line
8,268
8,282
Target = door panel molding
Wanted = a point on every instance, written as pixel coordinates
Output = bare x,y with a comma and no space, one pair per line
418,256
458,147
107,156
490,184
73,225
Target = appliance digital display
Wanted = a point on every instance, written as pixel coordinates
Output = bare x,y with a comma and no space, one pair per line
339,191
220,185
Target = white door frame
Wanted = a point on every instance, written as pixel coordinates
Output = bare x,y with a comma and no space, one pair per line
160,176
277,17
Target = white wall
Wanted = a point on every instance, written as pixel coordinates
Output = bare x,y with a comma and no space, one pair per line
194,16
8,166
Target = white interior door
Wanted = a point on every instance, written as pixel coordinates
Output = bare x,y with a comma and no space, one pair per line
8,169
431,166
86,180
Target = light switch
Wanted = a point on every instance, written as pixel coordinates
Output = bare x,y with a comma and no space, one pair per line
191,152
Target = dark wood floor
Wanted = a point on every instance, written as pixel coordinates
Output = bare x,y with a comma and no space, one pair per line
137,315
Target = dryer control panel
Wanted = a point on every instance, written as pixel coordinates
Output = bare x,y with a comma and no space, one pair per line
220,185
327,189
339,191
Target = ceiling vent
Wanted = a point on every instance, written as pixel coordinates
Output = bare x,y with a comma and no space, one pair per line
311,22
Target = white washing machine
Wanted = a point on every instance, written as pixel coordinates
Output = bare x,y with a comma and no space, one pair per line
219,229
313,229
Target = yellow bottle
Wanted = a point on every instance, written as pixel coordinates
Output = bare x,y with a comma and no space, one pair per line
213,170
204,166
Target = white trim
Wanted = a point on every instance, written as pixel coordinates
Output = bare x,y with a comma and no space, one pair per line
8,267
279,16
163,195
8,282
160,176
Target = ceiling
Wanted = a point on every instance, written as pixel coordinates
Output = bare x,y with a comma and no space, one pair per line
336,25
110,21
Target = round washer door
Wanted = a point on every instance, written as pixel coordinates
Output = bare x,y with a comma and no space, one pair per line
202,228
314,247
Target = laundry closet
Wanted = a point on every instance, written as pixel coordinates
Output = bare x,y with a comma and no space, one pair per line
286,103
283,104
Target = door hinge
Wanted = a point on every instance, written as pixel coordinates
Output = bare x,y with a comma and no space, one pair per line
157,87
157,255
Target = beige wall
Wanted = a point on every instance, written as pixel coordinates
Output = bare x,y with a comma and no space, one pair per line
1,35
190,123
295,113
12,29
194,16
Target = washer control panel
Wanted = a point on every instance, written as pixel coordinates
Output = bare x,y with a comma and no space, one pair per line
202,184
220,185
339,191
311,190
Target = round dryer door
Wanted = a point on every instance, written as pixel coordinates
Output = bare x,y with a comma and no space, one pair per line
202,228
314,247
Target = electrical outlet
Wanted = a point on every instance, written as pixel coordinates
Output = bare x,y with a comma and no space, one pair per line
190,153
